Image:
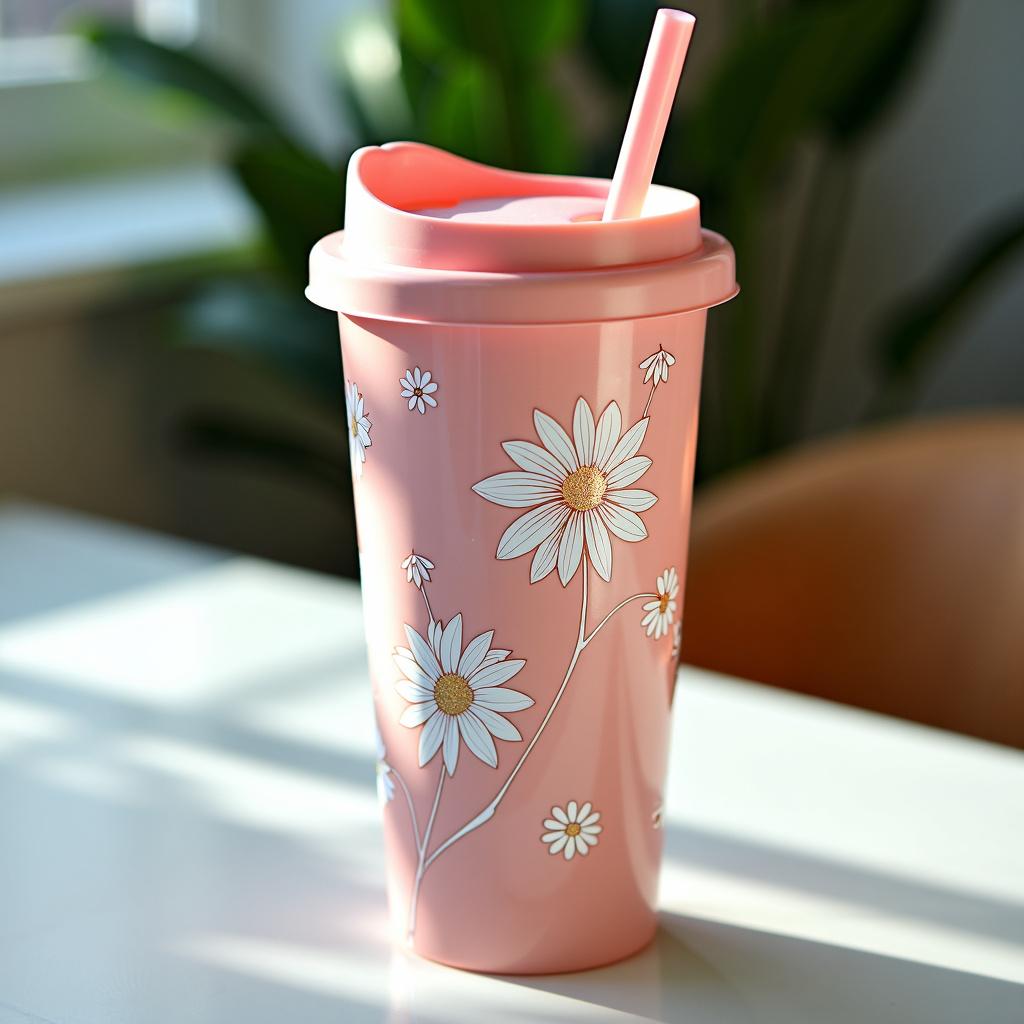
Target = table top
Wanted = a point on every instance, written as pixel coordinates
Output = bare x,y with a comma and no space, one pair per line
189,829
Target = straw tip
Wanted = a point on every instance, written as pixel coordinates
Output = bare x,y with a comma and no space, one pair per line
680,17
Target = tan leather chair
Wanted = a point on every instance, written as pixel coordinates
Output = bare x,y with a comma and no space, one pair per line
885,570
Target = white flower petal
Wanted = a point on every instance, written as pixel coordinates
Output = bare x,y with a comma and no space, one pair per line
413,693
495,675
430,738
591,830
477,738
558,813
429,389
517,489
650,359
545,557
581,846
633,499
413,671
425,379
495,656
608,429
451,644
434,635
430,401
571,809
628,446
412,403
570,848
650,369
583,811
534,459
531,528
624,524
598,544
417,714
496,725
628,472
426,563
558,844
423,654
590,840
583,432
497,698
669,358
474,654
586,818
500,699
570,548
406,393
552,837
558,827
556,440
451,744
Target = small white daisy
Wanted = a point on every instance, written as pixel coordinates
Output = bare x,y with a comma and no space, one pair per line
417,569
458,694
419,389
571,831
657,365
580,488
661,611
385,783
358,428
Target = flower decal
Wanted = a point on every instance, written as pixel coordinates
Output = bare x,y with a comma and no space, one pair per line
457,694
579,490
358,428
385,783
571,831
661,611
419,389
657,365
417,569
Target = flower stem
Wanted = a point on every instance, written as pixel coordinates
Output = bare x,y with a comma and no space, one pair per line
426,601
488,812
421,866
408,800
622,604
650,398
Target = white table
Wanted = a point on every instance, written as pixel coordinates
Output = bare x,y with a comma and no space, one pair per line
189,828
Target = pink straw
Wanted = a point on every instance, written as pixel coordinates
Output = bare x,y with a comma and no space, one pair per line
647,120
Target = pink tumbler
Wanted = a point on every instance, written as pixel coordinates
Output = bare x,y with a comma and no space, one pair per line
522,387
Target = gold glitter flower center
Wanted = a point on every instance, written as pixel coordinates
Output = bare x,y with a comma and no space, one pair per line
355,426
572,829
452,694
663,603
584,489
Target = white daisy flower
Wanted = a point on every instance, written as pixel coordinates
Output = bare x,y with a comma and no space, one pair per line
417,569
358,428
677,640
571,831
418,388
661,611
657,365
458,694
385,783
581,490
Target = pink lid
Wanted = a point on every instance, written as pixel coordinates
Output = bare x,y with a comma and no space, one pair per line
433,237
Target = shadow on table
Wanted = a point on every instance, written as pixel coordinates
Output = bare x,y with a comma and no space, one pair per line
700,971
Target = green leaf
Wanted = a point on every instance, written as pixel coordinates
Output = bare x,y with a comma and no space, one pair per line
916,333
523,32
809,67
368,68
258,320
183,72
299,196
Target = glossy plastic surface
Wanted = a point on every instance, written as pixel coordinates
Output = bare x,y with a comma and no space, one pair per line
596,681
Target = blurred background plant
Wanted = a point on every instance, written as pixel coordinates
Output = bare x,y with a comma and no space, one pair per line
777,118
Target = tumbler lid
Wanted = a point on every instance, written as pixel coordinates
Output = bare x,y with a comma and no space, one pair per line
433,237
